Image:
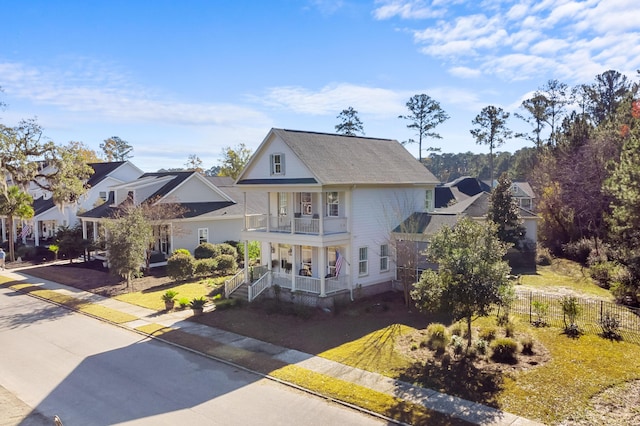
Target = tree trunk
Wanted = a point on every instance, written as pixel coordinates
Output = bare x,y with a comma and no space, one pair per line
468,332
12,249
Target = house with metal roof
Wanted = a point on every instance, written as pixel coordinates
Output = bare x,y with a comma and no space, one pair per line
331,204
204,209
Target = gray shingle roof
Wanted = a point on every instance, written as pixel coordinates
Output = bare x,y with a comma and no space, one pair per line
339,159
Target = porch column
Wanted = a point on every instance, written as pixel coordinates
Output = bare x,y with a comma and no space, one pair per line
15,231
95,231
268,211
84,229
321,215
269,263
244,200
323,271
292,215
36,233
247,279
294,262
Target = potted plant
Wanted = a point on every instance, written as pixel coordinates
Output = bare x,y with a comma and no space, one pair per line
197,304
169,298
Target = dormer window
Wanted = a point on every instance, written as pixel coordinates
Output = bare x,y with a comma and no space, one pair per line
277,164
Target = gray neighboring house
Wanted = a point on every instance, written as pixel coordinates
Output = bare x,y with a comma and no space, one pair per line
213,209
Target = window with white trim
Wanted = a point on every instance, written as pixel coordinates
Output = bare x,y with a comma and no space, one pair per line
363,261
305,204
428,200
384,257
103,195
306,260
203,235
331,260
282,203
333,204
277,164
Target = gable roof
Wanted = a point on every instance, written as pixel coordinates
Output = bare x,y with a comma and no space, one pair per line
102,170
335,159
425,223
458,190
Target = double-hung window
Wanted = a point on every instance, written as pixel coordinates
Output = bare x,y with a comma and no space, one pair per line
282,203
277,164
203,235
333,204
384,257
363,261
428,200
305,203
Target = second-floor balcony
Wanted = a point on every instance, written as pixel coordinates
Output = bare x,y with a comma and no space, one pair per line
296,225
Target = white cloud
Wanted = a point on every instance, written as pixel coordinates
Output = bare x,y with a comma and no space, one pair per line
465,72
334,98
404,9
565,38
102,94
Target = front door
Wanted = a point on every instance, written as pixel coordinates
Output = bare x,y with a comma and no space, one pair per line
285,259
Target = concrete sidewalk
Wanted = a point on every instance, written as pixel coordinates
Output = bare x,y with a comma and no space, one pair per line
177,320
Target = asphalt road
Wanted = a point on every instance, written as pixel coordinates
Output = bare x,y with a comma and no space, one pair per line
56,362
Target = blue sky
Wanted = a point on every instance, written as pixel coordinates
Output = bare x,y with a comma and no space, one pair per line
175,78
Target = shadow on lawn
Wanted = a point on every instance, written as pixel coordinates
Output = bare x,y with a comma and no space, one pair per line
459,378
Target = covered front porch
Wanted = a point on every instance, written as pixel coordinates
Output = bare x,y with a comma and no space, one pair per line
299,269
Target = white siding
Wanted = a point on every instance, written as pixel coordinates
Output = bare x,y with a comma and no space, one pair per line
220,230
194,190
261,166
375,212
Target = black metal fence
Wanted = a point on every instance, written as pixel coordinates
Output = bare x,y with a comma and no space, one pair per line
592,311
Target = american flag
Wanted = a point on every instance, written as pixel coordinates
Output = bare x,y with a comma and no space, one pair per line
26,230
339,260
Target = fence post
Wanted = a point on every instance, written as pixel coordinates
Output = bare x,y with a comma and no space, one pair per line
530,302
601,303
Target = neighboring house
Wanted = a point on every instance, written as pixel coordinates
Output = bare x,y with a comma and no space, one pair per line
415,232
524,195
209,211
332,201
48,217
458,190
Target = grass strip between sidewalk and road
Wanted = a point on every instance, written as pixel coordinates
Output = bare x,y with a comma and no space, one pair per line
71,302
327,386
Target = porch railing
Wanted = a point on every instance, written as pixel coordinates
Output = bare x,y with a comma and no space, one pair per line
311,285
258,287
233,283
301,225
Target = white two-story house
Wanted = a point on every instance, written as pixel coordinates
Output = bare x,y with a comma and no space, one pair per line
331,203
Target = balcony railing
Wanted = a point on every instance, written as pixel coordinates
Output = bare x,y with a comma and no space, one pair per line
300,225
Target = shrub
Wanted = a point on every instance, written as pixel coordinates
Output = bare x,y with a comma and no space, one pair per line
183,302
571,311
458,344
543,256
504,349
487,334
603,273
182,251
579,250
226,264
198,302
205,267
227,303
229,248
540,309
206,251
437,337
527,345
481,346
180,266
169,295
610,326
457,329
509,329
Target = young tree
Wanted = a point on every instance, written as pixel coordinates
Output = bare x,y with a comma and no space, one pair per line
606,94
116,149
536,107
350,123
15,203
233,160
471,276
557,97
70,242
194,164
491,130
426,114
128,238
504,212
160,217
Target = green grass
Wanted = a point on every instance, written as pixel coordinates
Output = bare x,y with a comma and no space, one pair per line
152,299
564,274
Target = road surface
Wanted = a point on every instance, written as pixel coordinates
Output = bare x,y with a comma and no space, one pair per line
92,373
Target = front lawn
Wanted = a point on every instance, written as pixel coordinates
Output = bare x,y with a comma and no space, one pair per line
152,299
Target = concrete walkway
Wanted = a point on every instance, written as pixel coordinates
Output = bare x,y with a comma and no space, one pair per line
177,320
